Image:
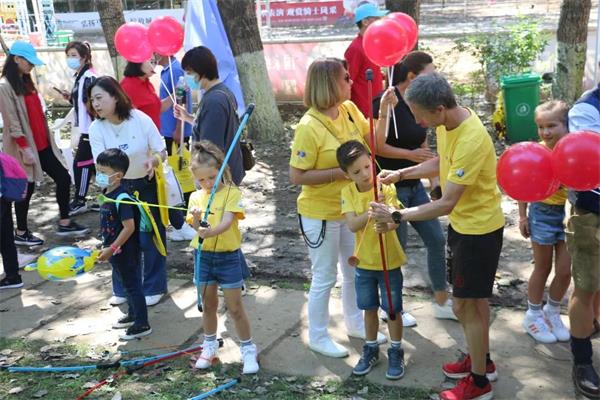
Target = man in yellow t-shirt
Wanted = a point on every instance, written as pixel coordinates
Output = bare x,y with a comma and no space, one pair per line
466,166
354,160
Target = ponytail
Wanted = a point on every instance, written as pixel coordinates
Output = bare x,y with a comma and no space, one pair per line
414,62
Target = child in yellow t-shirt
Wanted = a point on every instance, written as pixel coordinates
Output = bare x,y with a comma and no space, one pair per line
354,160
218,252
544,225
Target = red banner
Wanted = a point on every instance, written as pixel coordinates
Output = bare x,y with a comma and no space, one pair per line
302,12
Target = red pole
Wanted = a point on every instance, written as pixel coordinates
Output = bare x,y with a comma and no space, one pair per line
386,275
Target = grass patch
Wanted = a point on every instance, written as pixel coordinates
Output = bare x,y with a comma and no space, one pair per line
172,379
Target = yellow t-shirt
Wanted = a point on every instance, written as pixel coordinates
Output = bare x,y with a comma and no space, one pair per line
369,252
468,158
228,198
559,198
316,140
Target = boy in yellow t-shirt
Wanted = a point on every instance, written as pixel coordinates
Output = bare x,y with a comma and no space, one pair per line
354,160
544,225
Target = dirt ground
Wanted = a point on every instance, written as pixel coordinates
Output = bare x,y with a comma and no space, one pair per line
271,238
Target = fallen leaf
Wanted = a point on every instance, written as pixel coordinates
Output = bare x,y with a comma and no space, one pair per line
56,302
6,352
15,390
363,391
71,376
89,385
117,396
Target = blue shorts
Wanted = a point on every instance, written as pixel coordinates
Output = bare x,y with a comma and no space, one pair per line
546,223
227,269
370,285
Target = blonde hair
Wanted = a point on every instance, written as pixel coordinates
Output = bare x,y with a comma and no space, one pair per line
557,108
207,153
322,90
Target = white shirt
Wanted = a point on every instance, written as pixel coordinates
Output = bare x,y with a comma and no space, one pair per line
584,116
137,136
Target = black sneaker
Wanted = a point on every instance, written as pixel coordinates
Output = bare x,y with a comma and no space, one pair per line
27,239
586,381
73,229
12,283
77,207
134,332
124,322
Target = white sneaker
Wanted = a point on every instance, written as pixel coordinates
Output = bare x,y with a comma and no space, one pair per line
408,320
209,353
444,311
329,348
536,326
558,329
249,358
153,300
188,232
381,339
175,235
117,300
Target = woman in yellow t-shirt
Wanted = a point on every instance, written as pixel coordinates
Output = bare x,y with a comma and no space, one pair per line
330,121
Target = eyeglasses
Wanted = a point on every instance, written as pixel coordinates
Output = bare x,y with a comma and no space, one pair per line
347,77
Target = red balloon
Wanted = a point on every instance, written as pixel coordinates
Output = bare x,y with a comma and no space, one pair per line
165,35
131,41
576,160
385,42
410,28
525,172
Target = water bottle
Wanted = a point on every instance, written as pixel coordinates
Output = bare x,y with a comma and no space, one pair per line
181,91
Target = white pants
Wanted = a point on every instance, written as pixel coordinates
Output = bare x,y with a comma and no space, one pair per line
335,250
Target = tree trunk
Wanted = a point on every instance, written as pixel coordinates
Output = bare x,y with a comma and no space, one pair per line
241,26
571,49
111,18
410,7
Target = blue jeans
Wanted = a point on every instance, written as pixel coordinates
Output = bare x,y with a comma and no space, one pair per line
430,232
154,265
371,292
546,224
127,268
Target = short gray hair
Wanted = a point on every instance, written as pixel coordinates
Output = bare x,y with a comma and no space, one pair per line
429,91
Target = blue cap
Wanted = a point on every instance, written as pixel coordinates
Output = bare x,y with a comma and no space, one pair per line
26,51
368,10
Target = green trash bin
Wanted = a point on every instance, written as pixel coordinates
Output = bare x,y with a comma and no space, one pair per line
521,97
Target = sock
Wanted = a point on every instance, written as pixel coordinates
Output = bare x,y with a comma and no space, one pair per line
553,306
244,343
210,338
480,380
396,345
488,359
534,308
582,350
371,343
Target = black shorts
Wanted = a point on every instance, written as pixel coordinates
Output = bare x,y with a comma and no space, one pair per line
473,262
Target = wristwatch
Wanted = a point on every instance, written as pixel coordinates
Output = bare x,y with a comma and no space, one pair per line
396,217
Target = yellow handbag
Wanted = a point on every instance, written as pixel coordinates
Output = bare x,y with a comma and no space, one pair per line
182,171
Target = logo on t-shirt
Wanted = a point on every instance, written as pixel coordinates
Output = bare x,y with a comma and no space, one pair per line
460,172
301,154
124,146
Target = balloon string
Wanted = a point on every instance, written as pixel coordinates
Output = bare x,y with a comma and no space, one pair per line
108,199
362,236
171,96
390,108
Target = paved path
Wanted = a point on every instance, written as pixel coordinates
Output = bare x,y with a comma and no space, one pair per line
76,311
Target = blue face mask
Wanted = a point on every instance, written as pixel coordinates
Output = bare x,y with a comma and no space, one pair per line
103,180
191,82
73,63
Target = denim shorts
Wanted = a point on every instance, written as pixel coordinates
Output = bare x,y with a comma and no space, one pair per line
370,285
223,268
546,223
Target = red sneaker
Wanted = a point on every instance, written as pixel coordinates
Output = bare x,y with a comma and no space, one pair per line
462,368
466,389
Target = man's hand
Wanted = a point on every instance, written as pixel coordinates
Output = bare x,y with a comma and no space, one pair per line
28,156
105,254
149,165
380,213
420,155
388,177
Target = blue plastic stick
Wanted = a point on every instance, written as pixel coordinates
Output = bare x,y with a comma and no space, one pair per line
215,390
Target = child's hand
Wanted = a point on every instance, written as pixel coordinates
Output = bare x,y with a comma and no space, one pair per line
524,227
205,233
105,254
196,213
381,227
